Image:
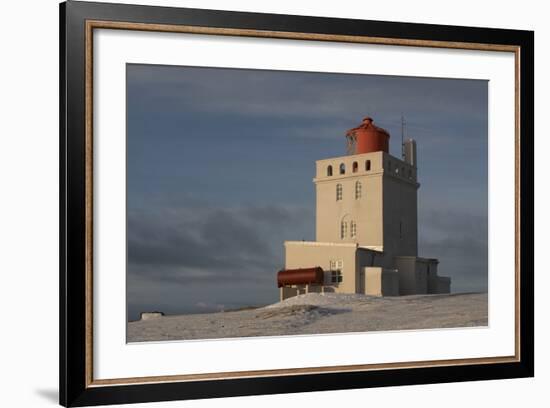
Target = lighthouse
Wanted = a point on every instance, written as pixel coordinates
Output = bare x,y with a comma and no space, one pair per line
366,225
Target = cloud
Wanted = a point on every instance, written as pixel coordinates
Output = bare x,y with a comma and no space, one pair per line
312,98
460,241
184,259
198,245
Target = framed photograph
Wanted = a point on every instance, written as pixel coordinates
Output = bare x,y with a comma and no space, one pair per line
257,204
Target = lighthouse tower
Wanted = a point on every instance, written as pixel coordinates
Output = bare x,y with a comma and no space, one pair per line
366,225
368,197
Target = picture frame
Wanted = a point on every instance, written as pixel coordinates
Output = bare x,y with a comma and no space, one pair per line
78,384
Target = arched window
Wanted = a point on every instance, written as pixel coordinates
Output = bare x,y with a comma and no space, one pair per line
353,229
358,188
338,192
367,165
343,229
355,167
329,171
342,168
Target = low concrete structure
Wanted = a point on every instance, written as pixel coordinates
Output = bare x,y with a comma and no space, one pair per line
150,315
366,224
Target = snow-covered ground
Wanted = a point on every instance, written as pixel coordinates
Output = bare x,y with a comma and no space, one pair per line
321,313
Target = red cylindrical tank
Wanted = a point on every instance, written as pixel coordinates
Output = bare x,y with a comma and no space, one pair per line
300,276
369,137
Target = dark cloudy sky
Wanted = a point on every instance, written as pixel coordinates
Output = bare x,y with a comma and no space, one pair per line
220,168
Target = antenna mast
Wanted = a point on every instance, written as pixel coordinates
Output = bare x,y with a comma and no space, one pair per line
402,136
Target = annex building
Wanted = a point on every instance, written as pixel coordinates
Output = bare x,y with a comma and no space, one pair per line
366,225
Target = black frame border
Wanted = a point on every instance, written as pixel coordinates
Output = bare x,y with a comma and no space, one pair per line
72,125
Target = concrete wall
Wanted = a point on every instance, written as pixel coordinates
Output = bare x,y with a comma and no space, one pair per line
400,221
444,285
369,257
419,276
285,292
381,282
406,267
365,211
307,254
433,279
314,289
385,214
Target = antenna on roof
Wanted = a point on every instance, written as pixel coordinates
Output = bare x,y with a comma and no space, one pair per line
402,136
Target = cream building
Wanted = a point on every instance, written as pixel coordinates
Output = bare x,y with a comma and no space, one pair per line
366,225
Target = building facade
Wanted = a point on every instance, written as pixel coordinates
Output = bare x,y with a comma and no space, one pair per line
366,224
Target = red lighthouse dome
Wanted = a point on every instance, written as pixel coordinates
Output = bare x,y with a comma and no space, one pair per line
367,138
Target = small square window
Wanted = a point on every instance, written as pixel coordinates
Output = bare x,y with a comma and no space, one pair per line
336,276
358,189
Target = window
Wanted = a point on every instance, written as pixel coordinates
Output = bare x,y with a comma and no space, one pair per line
355,167
338,192
343,229
336,271
367,165
336,276
342,168
329,171
400,229
358,188
353,229
410,173
389,166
